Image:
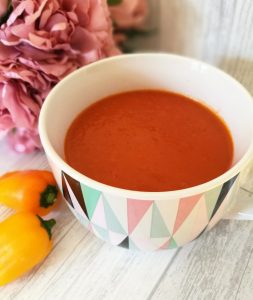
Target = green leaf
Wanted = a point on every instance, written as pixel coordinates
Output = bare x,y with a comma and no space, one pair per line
5,16
114,2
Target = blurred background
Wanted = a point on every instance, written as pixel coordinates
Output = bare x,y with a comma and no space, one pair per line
219,32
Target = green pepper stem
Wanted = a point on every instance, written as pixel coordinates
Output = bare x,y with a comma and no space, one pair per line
49,196
47,225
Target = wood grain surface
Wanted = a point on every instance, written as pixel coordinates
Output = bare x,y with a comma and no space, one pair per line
219,265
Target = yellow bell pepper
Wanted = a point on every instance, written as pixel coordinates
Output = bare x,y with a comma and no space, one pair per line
25,240
34,191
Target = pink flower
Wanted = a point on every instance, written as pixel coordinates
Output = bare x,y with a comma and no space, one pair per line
75,30
130,13
42,42
23,140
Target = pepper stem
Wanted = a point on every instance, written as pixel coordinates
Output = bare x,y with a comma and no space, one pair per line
47,225
49,196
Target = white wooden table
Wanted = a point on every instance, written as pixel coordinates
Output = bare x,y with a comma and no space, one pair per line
219,265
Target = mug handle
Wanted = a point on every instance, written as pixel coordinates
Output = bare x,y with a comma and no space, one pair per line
242,208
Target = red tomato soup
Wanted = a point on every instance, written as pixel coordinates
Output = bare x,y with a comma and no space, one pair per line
149,140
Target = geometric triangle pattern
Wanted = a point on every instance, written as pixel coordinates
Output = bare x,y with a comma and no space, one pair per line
132,245
223,193
98,217
65,191
227,192
136,209
91,197
186,206
140,235
211,199
146,224
193,224
125,243
112,221
158,227
75,203
76,188
168,212
172,244
116,238
165,246
118,206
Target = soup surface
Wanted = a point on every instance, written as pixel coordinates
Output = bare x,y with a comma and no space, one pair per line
149,140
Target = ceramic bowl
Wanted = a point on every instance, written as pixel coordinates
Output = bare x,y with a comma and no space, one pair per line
147,220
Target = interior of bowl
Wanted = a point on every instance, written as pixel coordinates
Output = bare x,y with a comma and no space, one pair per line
149,71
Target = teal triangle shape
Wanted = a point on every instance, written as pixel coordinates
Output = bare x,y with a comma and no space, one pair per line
132,245
172,244
211,198
158,227
102,232
112,222
91,197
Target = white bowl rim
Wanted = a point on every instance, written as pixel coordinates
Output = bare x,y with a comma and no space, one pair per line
131,194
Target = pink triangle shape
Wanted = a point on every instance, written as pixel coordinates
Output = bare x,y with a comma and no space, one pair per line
135,211
185,207
165,245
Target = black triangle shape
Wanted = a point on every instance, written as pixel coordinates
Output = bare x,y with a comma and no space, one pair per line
223,193
76,189
65,191
125,243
